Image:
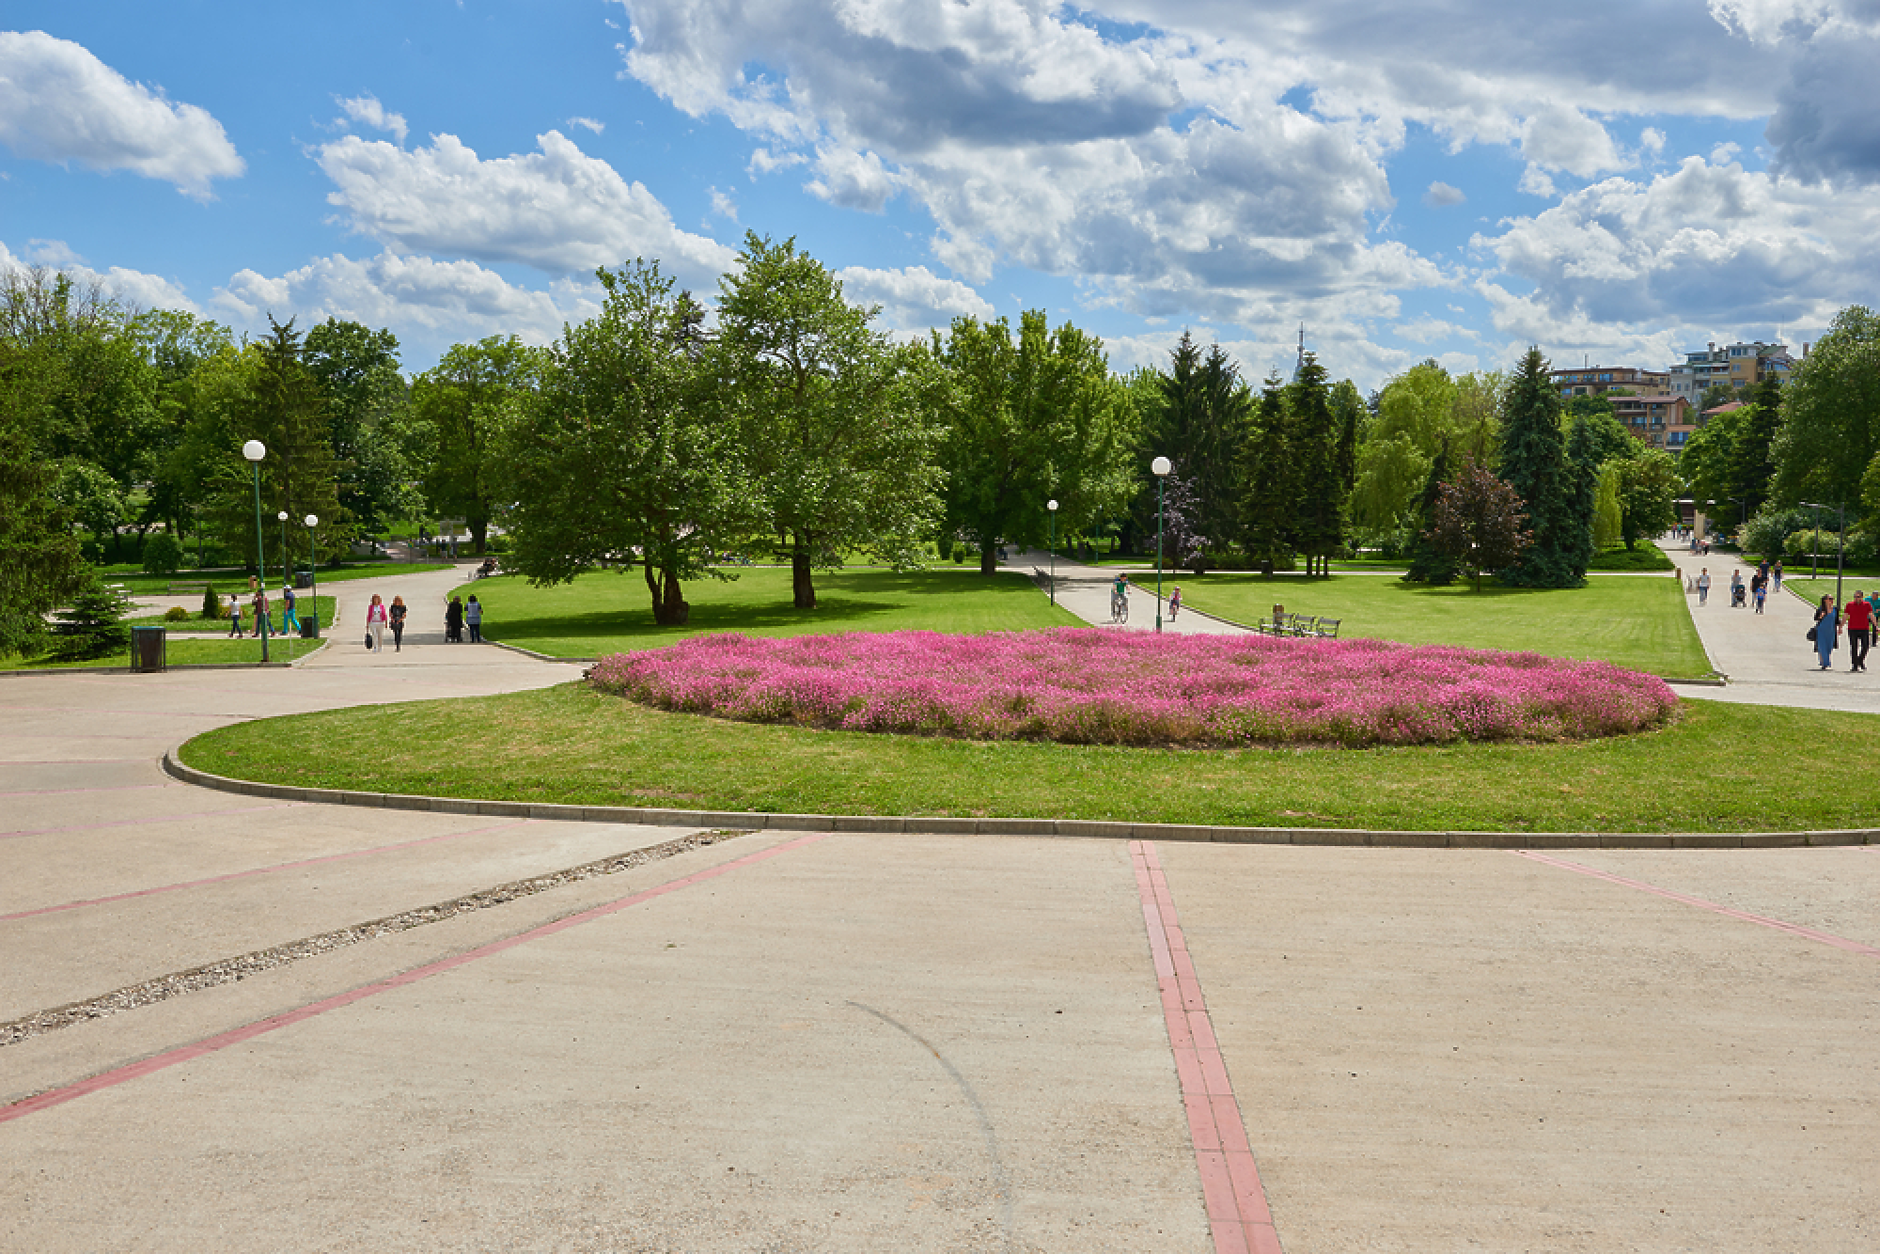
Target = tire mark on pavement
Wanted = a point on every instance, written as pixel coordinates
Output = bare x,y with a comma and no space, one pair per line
261,1027
1793,929
999,1177
1238,1217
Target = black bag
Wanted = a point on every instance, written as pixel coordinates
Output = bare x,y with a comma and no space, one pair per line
1811,634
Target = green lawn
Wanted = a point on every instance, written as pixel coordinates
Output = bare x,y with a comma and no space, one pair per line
569,744
1636,622
231,579
607,611
195,623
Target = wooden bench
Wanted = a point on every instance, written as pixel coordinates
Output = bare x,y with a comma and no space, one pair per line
1299,625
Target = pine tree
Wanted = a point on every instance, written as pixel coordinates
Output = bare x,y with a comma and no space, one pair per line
1318,500
1203,413
1583,462
1752,464
93,627
1428,563
1265,479
1534,463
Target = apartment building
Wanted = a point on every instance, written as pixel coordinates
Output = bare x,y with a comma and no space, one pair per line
1598,380
1655,419
1743,364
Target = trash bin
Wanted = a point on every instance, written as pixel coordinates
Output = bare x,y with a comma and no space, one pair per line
303,579
149,649
309,625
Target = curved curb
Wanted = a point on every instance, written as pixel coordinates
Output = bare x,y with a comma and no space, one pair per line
1085,828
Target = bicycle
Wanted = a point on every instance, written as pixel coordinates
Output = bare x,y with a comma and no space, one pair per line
1119,607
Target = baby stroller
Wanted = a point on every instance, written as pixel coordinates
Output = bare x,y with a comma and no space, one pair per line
1739,594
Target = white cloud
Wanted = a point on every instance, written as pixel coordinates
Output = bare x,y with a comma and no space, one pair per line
1565,139
913,300
367,111
1534,182
764,161
854,180
723,205
132,288
556,209
417,297
1441,195
588,124
60,103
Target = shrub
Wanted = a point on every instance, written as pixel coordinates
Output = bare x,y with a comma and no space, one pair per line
211,603
162,554
1804,543
1090,686
176,614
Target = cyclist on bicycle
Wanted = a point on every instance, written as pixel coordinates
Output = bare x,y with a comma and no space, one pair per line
1119,599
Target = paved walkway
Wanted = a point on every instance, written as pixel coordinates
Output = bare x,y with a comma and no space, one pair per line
855,1042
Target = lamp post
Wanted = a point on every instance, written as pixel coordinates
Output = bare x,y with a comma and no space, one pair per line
1161,466
1052,507
313,572
254,451
1840,556
287,577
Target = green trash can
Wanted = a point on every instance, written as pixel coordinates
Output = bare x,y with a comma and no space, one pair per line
309,625
149,650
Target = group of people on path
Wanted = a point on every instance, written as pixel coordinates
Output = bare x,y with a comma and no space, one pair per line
457,616
1857,616
1767,579
258,603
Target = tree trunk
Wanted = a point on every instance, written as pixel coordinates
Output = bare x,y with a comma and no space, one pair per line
988,558
670,608
804,592
479,535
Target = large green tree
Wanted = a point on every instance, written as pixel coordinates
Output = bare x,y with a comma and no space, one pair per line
1028,419
1830,429
456,407
1266,475
1318,521
1198,424
840,424
624,451
368,417
1534,463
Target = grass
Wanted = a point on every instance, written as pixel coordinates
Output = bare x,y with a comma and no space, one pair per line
228,579
1639,623
572,745
610,612
196,623
183,651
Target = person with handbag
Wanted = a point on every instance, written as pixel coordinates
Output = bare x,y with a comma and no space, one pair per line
376,618
397,613
1826,631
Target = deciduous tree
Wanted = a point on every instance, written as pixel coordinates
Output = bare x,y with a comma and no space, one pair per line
1478,523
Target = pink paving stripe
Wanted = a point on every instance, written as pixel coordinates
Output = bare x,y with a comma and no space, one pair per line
261,1027
1793,929
260,870
1238,1217
162,818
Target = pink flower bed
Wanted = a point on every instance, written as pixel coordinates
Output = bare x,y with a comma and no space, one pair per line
1086,686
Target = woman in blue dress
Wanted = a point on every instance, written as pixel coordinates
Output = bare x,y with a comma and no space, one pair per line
1827,631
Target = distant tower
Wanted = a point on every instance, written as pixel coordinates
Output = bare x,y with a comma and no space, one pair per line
1300,363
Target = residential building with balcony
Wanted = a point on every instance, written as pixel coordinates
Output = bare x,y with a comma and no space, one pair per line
1743,364
1598,380
1656,418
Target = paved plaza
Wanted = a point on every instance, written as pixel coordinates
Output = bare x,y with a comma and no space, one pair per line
793,1042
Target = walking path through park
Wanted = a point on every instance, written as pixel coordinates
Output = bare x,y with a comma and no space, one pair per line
309,1027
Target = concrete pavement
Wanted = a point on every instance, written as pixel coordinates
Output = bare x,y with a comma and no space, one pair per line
859,1042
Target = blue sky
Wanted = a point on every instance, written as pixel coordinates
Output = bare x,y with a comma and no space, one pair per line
1614,182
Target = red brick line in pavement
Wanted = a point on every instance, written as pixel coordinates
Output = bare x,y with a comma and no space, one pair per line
1238,1216
247,1032
260,870
1793,929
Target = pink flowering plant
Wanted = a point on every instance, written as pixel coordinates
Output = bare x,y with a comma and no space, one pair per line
1089,686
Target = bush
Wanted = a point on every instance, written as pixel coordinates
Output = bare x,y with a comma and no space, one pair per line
1804,543
162,554
93,627
500,544
1766,535
1644,557
176,614
944,546
211,603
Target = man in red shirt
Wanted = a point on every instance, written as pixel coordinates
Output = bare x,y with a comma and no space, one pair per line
1859,630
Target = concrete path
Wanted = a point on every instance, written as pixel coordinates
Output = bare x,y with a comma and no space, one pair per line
863,1043
1085,592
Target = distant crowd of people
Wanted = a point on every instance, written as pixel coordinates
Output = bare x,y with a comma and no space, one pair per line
458,614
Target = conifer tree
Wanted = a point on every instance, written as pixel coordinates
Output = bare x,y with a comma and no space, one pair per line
1318,499
1265,479
1429,563
1534,463
1583,462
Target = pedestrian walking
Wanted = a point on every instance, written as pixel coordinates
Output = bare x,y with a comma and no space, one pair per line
1859,630
396,616
453,621
1776,574
1174,604
1703,585
473,619
261,611
376,618
289,620
1826,632
1759,590
1737,600
234,617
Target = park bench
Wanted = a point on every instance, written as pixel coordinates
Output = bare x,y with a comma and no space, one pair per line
1299,625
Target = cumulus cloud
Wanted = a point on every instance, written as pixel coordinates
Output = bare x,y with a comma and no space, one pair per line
367,111
1441,195
60,103
414,296
1827,121
588,124
854,180
1736,246
1565,139
133,289
556,209
913,300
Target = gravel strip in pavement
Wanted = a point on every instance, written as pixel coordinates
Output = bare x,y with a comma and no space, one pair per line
229,970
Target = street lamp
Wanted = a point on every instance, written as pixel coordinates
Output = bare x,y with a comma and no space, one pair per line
313,575
1840,556
254,451
1052,507
287,577
1161,466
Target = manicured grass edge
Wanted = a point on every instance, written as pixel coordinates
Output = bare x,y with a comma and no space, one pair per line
1084,828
